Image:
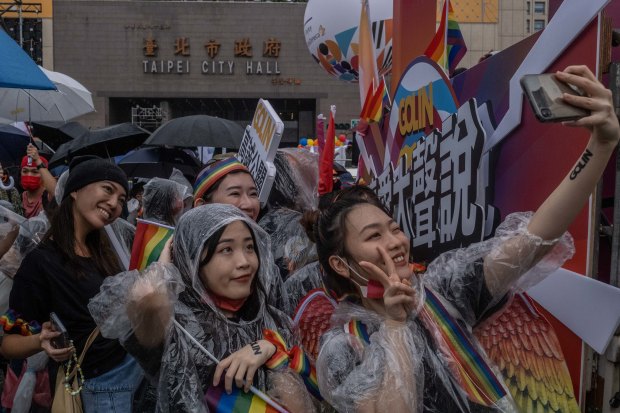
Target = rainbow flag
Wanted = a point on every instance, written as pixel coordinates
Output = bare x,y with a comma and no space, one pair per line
436,50
372,111
218,401
448,46
469,368
148,243
456,43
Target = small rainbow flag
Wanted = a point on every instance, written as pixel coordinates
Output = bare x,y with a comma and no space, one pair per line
148,243
218,401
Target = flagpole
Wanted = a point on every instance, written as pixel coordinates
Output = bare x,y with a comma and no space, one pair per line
253,389
446,68
120,251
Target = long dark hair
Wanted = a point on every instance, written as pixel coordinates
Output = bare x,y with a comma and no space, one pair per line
62,234
252,305
326,227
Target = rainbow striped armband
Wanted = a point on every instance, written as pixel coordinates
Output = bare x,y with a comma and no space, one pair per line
295,359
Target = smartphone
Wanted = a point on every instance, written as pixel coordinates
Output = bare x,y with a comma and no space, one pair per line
61,341
544,92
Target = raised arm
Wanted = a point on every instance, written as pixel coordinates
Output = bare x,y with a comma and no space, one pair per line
49,182
517,255
561,207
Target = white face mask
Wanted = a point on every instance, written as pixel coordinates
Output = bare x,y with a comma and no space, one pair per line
372,289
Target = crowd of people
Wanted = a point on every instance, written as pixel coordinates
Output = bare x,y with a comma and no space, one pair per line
213,316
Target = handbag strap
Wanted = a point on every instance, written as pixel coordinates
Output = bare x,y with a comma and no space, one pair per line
89,341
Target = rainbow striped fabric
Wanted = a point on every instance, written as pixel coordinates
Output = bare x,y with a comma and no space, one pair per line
448,47
148,243
456,43
372,111
11,322
296,360
469,368
358,329
212,173
218,401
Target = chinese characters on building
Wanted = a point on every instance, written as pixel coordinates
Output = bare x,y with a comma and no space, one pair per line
443,201
240,48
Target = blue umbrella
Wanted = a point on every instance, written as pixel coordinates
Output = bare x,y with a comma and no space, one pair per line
13,143
18,70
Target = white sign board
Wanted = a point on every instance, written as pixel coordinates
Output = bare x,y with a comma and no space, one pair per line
590,308
258,147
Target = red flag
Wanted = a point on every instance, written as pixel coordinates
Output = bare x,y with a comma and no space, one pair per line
326,162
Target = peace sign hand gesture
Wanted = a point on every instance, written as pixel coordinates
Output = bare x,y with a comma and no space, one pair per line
399,296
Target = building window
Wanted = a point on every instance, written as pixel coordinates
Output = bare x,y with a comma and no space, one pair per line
527,25
527,7
539,7
539,25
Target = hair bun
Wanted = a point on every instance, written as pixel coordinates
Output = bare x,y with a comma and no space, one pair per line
309,221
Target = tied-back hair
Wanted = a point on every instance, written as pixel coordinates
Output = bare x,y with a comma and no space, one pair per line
62,234
326,228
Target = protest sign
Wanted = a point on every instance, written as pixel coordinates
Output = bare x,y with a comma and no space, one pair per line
258,147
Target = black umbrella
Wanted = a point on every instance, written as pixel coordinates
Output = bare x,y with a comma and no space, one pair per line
157,161
107,142
55,134
198,130
13,143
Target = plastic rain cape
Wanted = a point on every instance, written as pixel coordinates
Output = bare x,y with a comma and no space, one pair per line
405,363
163,200
181,372
294,191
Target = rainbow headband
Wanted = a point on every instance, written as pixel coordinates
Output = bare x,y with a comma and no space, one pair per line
212,173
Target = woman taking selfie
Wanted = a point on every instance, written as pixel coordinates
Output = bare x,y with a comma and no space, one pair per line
392,345
62,274
214,288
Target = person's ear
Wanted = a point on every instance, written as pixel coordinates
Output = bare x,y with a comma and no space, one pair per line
198,202
337,264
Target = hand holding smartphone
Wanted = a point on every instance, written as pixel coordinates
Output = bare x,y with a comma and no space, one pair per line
61,341
544,92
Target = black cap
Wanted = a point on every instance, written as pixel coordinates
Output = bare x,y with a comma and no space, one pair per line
85,170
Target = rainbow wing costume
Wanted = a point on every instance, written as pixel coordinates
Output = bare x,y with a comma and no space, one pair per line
523,345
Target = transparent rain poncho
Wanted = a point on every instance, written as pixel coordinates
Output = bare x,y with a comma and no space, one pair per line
294,191
297,180
410,364
29,235
60,186
162,201
291,247
178,177
301,282
178,369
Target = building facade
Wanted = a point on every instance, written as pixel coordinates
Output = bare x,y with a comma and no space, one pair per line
150,61
160,60
30,23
